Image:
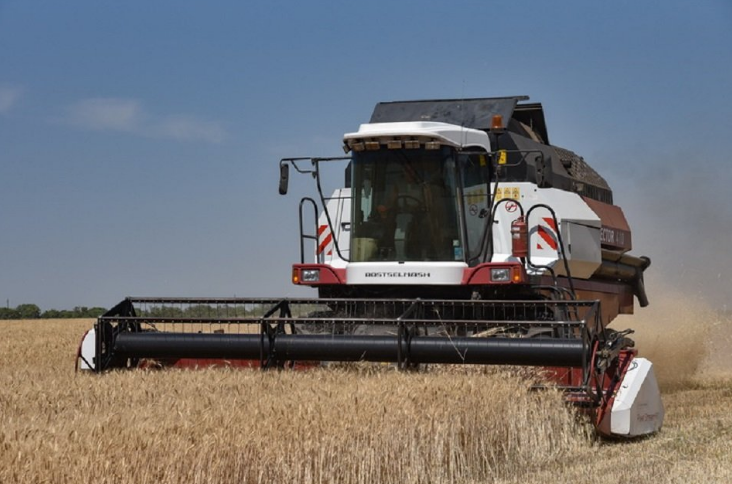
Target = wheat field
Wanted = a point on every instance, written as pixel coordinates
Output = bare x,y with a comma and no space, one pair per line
354,424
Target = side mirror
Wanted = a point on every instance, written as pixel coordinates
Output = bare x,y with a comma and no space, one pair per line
284,177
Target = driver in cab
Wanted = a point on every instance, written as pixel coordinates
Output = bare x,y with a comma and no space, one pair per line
382,224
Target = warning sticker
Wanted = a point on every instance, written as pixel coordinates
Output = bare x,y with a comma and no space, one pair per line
508,192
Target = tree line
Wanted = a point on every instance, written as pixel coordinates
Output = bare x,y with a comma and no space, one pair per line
32,311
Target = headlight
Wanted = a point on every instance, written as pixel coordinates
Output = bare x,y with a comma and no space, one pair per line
310,275
500,275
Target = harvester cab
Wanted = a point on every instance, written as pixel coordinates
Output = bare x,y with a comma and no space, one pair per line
460,236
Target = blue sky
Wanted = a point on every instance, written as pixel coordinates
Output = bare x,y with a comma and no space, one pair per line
139,140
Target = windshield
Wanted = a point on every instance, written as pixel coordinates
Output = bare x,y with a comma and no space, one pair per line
405,206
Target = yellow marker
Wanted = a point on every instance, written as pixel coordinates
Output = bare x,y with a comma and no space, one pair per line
502,157
482,161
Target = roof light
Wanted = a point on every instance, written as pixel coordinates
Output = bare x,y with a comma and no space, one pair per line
497,123
394,144
357,146
371,145
411,144
432,145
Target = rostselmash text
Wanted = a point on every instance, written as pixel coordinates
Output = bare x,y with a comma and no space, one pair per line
397,274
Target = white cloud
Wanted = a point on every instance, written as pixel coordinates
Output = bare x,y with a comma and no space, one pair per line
8,97
129,115
106,114
188,127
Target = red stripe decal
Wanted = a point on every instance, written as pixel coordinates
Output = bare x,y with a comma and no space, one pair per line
321,229
547,237
325,243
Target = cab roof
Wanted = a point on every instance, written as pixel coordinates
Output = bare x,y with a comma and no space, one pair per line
450,134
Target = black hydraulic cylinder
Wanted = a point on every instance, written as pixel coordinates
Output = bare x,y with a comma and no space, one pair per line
189,345
419,349
499,351
312,347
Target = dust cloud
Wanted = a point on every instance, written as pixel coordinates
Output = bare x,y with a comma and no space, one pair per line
674,332
680,212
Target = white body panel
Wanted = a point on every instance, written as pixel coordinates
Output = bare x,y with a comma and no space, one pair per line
407,273
579,226
637,409
339,208
87,351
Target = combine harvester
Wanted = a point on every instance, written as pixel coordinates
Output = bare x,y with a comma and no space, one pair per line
461,236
